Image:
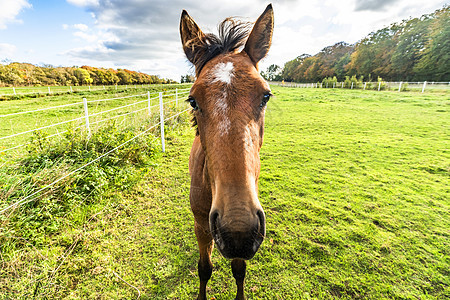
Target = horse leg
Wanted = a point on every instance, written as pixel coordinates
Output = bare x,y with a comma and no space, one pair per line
238,268
205,246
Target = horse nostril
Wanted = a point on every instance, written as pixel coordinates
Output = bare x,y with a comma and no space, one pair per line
262,222
213,218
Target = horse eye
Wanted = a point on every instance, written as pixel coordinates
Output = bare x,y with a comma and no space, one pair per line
265,99
193,103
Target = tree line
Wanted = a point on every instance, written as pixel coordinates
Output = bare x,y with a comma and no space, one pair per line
416,49
24,74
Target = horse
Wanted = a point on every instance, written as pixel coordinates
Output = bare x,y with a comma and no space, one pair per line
228,100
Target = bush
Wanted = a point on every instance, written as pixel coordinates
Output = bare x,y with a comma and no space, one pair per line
380,84
329,82
404,87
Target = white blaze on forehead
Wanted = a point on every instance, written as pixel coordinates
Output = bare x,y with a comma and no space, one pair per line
223,72
220,111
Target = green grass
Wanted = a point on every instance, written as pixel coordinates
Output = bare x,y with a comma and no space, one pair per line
354,185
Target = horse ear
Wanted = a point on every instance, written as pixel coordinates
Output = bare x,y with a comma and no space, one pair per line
260,39
192,37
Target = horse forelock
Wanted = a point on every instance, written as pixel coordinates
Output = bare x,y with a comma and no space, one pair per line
232,35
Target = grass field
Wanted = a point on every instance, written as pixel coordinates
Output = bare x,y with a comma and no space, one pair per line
354,185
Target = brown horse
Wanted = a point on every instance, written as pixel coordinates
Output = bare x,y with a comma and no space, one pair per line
228,98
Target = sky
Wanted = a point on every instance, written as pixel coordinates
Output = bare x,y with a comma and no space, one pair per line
143,35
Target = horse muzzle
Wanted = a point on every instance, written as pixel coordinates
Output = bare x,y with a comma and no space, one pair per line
238,238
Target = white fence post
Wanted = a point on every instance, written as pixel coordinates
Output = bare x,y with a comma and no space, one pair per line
14,90
365,83
176,97
342,86
149,104
161,117
89,88
424,85
400,86
352,86
49,92
379,86
86,116
71,89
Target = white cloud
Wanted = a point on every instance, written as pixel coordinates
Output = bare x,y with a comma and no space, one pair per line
81,27
83,3
10,9
7,50
86,36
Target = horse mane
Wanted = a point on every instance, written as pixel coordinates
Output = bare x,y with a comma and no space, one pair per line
232,35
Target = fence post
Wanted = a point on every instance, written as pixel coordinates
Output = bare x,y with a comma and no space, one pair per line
14,90
352,86
379,86
176,97
86,116
89,88
71,89
365,83
49,92
400,86
161,117
149,104
424,85
342,86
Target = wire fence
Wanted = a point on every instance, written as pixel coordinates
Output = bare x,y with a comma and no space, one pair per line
162,102
399,86
50,90
85,111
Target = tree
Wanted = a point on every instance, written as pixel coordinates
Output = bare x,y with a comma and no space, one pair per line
273,73
83,76
435,59
124,77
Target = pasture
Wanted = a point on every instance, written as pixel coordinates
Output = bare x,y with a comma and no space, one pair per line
354,185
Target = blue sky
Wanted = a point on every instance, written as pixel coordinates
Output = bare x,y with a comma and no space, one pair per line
143,35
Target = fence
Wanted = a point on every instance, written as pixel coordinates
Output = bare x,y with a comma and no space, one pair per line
380,85
86,115
172,98
49,90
